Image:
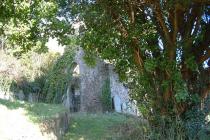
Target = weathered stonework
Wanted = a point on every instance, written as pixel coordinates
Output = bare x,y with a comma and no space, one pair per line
91,82
120,95
90,85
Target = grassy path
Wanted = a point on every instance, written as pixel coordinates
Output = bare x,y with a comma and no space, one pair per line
20,121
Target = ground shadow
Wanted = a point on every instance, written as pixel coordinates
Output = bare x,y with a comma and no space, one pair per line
12,105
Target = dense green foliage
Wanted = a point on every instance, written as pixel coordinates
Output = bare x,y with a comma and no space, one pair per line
58,78
152,49
46,74
25,27
106,96
26,73
160,48
25,24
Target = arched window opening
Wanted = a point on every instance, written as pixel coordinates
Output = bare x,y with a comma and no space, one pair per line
76,70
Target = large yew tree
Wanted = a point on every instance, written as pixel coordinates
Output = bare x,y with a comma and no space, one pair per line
161,47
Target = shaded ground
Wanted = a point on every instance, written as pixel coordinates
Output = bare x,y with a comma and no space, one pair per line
110,126
20,121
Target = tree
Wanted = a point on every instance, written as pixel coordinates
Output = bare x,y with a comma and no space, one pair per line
161,48
28,23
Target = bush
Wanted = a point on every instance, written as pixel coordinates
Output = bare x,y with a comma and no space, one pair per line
168,129
26,73
197,123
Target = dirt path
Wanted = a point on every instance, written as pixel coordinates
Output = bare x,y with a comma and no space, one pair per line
15,125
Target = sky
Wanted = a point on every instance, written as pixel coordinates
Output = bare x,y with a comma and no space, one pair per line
54,46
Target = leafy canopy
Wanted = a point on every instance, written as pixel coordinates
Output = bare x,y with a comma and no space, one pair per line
159,47
25,24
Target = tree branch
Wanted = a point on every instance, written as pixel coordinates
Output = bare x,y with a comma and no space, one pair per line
204,57
132,13
175,24
202,1
160,19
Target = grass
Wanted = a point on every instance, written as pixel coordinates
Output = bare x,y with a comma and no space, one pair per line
110,126
37,112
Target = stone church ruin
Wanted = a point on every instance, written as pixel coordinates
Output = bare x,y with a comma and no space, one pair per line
85,88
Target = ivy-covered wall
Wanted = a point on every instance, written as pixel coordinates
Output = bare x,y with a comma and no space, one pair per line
59,76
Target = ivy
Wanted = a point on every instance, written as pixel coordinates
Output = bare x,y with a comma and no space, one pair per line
106,96
59,76
150,65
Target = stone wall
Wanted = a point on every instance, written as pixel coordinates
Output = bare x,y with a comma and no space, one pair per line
57,126
120,95
92,79
30,97
90,85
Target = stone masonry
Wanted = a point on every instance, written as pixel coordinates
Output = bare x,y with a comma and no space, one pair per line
87,89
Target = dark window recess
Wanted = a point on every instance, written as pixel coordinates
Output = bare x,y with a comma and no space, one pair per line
113,108
75,101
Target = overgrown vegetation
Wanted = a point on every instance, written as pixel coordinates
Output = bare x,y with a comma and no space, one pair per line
58,78
106,96
46,74
26,73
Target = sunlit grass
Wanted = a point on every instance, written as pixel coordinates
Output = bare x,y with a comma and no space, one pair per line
37,112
